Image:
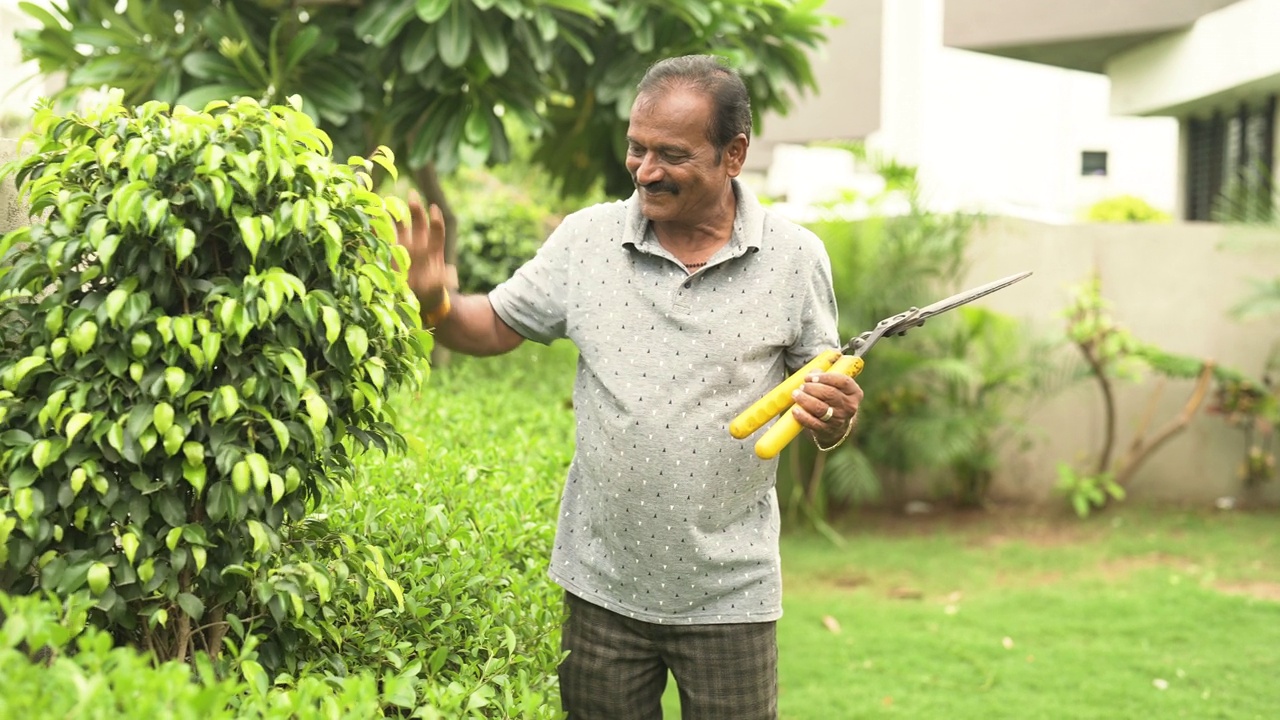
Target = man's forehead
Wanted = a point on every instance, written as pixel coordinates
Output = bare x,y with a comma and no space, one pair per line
666,116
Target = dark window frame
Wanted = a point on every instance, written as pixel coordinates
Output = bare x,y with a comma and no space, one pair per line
1230,162
1090,165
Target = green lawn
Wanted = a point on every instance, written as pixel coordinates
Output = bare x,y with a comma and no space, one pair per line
1135,613
1138,613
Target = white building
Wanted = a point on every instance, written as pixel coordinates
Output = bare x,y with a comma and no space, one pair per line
987,133
1212,65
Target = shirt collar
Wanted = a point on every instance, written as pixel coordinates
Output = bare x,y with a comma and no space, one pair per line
748,224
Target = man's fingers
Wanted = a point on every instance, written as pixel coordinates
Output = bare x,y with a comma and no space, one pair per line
436,232
418,218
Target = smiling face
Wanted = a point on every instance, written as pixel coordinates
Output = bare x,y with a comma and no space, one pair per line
677,171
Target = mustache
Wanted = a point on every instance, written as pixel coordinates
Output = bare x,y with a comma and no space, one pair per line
658,186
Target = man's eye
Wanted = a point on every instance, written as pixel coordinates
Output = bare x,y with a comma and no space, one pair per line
635,150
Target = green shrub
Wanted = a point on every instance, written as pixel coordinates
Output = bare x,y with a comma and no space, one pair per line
207,331
505,212
1125,208
500,227
54,666
463,523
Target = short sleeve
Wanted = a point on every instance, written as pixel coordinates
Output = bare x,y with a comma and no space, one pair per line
533,301
818,314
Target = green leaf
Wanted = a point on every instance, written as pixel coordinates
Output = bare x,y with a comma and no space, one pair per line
430,11
183,244
107,249
259,470
261,542
162,417
240,477
182,330
174,379
210,344
191,605
378,23
357,341
193,452
420,50
194,472
172,537
21,369
197,98
493,48
317,412
75,424
453,33
226,403
42,454
129,543
251,234
282,433
99,578
173,439
114,303
332,323
83,336
140,344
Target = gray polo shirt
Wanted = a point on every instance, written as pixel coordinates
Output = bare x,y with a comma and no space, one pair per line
665,517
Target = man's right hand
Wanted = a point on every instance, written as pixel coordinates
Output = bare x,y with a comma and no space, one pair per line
428,274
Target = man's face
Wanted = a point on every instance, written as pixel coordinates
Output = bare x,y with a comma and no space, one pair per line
673,162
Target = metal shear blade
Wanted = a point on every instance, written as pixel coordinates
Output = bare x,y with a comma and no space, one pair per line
915,317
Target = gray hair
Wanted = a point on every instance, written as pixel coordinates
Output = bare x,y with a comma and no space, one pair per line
714,78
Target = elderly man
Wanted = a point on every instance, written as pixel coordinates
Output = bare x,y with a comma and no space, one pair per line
687,302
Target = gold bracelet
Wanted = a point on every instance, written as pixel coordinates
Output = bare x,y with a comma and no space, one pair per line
435,316
837,444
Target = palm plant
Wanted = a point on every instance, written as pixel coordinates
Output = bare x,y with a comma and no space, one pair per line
937,401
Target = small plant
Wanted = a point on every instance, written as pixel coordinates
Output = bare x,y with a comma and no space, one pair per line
1087,492
1125,209
1112,353
206,328
1253,407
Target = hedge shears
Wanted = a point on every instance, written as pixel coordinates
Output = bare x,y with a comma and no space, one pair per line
846,360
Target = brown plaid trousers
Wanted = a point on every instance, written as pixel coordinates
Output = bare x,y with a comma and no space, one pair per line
617,667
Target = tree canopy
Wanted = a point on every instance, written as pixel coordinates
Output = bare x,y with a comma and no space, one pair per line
434,80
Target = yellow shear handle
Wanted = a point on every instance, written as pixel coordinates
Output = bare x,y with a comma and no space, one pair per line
787,427
779,398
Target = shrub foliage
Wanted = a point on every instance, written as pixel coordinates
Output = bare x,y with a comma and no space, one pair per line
205,327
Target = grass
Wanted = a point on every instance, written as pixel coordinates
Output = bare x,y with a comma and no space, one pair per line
1139,612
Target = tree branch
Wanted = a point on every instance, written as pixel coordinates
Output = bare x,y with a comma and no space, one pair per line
1175,425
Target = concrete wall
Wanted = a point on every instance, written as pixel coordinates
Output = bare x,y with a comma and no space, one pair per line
1170,285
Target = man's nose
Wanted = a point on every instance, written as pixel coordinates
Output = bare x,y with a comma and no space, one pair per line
649,170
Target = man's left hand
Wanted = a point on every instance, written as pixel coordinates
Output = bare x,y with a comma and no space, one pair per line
826,404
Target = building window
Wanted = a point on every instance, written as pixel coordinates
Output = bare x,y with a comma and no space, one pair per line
1231,170
1093,163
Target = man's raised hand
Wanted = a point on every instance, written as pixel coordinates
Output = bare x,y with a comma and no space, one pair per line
428,274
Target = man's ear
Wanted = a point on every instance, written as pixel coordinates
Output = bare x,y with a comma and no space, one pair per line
735,154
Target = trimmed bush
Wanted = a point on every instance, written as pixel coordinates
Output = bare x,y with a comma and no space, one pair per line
1125,208
207,328
55,666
